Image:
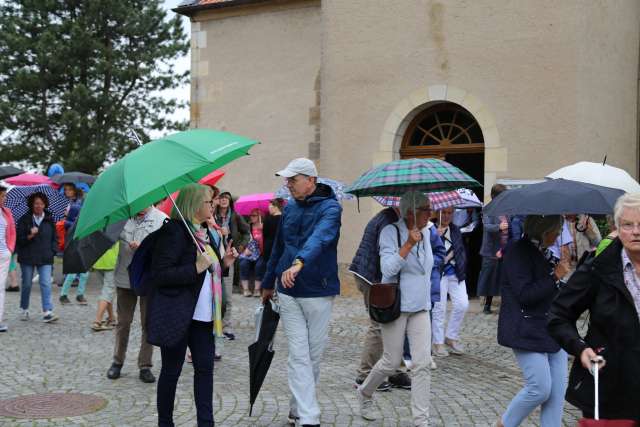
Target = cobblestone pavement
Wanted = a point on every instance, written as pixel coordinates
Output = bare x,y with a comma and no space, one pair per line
67,356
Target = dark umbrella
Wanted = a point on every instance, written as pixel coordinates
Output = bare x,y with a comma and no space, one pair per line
555,197
9,171
261,352
81,254
74,178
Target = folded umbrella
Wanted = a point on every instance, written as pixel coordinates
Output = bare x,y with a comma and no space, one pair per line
261,352
555,197
9,171
81,254
154,171
17,201
29,179
74,178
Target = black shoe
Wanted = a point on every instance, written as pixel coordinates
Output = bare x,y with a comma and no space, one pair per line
400,380
311,425
487,309
81,300
229,336
64,299
114,371
13,289
146,376
384,386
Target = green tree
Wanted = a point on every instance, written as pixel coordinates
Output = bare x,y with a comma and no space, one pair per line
76,76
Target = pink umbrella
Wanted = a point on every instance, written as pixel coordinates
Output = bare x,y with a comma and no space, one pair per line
29,179
210,179
245,204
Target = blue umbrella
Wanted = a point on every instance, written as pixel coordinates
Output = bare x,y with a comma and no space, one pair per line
17,201
336,186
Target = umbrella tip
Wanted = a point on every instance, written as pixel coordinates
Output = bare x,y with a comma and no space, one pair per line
604,160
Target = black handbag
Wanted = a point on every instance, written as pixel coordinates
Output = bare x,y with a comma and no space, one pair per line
166,326
384,298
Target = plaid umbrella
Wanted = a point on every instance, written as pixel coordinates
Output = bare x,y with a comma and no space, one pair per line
437,201
337,186
17,200
397,177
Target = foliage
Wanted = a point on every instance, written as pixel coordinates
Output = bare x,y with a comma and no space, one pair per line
76,76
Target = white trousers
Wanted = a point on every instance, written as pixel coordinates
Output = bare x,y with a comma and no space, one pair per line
5,261
417,327
306,324
449,285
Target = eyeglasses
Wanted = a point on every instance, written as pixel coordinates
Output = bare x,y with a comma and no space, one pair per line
210,202
630,226
293,179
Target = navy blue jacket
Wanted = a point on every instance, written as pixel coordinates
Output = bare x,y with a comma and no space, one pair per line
437,247
459,254
309,230
174,274
366,261
42,248
527,289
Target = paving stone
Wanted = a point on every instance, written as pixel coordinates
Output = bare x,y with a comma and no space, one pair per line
68,357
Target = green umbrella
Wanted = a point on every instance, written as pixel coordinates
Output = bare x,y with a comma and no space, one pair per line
397,177
153,171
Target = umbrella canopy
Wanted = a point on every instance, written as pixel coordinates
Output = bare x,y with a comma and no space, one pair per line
397,177
336,186
155,170
17,201
598,174
81,254
245,204
9,171
74,178
261,352
210,179
29,179
555,197
460,198
469,199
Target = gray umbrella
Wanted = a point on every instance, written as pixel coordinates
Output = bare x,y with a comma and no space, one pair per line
9,171
74,178
81,254
555,197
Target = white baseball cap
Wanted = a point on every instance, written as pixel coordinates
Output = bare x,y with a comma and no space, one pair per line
300,166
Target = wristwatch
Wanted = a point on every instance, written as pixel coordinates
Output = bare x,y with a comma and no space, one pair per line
296,262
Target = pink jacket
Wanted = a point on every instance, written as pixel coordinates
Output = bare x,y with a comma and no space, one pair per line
10,235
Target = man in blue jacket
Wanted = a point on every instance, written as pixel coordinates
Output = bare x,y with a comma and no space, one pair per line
304,264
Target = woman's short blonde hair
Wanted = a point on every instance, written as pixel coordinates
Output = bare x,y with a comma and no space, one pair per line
628,200
190,200
538,226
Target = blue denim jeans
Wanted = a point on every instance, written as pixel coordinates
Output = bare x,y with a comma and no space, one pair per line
45,285
545,377
68,281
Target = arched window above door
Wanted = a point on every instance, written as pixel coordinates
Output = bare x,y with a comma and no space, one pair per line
444,128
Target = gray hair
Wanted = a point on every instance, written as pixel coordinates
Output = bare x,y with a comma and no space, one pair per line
411,200
538,226
628,200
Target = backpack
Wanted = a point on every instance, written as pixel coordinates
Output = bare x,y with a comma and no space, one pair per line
140,267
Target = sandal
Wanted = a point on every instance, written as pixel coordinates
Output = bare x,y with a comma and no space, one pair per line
247,293
113,323
98,326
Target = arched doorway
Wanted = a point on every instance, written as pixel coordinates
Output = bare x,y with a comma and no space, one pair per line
449,132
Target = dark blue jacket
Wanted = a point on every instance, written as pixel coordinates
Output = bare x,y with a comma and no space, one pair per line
366,262
437,247
527,289
174,275
459,253
309,230
42,248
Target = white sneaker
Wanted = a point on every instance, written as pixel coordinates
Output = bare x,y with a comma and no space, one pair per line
49,317
439,350
365,403
3,327
433,365
24,316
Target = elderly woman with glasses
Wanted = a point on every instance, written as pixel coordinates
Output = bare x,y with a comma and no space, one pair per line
528,284
608,287
406,257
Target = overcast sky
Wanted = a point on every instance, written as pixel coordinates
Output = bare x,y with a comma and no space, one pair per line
182,64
